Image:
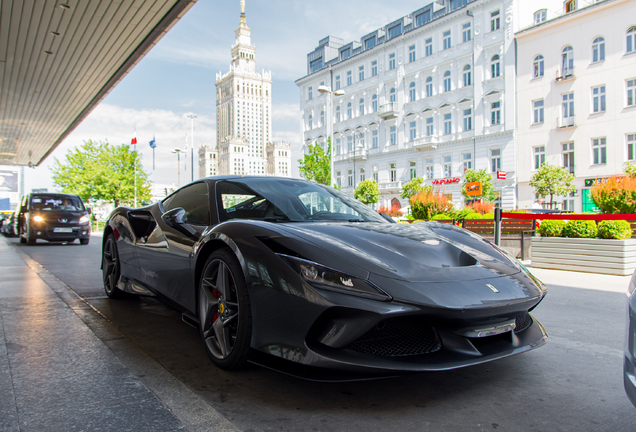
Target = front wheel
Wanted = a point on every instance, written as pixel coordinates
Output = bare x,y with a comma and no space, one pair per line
110,268
225,317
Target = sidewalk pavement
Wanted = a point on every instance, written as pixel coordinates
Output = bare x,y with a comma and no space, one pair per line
59,371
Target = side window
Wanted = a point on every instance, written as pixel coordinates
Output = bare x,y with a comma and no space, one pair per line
194,199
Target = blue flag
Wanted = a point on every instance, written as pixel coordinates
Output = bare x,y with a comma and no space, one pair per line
152,143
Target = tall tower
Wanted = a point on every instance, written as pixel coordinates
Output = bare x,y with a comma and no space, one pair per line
243,109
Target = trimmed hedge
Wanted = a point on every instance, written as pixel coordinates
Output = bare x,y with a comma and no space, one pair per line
614,229
473,216
551,228
580,229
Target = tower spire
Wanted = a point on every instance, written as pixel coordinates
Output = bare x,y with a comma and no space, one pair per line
243,12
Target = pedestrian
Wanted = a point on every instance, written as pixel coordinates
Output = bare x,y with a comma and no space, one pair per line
538,204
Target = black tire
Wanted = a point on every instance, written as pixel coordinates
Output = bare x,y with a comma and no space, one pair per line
224,312
30,239
110,268
22,239
84,241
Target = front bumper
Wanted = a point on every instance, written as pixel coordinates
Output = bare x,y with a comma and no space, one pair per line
66,232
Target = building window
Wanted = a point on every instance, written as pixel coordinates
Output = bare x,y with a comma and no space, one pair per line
429,168
311,121
392,172
361,105
374,139
495,20
395,31
362,175
428,47
466,33
598,99
495,160
338,146
322,118
631,92
423,18
310,95
375,173
391,61
540,16
412,131
446,38
567,62
393,135
447,81
568,202
349,78
411,53
539,156
568,109
429,86
350,178
392,95
337,82
537,111
631,144
374,68
374,103
338,114
495,113
568,156
447,163
467,76
345,54
468,119
429,126
349,113
349,144
339,178
316,65
570,6
361,73
369,43
631,40
467,161
599,151
598,50
447,124
412,169
495,66
538,66
412,92
361,139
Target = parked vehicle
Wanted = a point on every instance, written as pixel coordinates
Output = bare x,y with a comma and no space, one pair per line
8,226
629,359
53,217
293,275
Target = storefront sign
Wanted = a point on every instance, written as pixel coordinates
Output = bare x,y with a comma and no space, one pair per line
593,181
447,181
473,188
501,175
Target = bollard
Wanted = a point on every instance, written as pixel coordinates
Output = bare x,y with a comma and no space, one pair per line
497,226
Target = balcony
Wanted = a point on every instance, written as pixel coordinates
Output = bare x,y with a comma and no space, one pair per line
565,75
395,186
566,122
425,143
388,111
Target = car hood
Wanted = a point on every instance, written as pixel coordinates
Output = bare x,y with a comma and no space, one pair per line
422,252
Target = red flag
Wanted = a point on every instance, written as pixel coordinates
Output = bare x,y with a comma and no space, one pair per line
133,140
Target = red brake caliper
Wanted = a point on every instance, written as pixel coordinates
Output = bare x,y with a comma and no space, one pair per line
216,294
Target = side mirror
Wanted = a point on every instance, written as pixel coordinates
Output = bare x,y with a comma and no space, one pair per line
89,210
177,219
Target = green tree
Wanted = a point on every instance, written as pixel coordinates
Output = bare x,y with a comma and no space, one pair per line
412,187
367,192
552,180
487,188
316,165
630,169
97,170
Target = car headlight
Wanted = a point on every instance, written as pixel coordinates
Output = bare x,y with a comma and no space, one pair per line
84,219
332,280
38,218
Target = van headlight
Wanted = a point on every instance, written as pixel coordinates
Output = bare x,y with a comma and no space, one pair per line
84,219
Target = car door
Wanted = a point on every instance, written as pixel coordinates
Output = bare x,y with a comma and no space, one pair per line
166,256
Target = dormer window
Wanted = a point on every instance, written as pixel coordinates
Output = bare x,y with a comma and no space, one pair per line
570,6
540,16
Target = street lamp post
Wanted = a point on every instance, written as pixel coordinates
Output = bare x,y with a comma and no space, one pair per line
327,90
191,117
178,152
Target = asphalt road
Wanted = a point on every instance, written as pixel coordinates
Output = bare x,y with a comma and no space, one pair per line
574,383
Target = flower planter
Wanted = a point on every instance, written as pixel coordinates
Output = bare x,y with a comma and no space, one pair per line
612,257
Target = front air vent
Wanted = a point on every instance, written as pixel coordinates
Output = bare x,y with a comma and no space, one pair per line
522,322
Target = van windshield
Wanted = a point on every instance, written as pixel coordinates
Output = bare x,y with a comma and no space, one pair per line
56,203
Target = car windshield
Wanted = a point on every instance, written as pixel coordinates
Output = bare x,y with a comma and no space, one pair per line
282,200
56,203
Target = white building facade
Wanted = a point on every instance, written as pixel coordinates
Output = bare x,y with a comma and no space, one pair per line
429,95
244,111
576,95
208,161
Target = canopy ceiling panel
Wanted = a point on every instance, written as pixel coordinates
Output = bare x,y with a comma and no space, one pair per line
60,58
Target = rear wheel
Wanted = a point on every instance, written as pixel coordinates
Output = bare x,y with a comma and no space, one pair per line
225,317
110,268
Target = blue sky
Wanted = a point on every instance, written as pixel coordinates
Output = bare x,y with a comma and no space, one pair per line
177,77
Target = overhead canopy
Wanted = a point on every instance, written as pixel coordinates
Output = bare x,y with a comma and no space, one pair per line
60,58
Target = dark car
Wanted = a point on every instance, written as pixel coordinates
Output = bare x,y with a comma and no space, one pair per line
277,268
54,217
629,361
8,227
